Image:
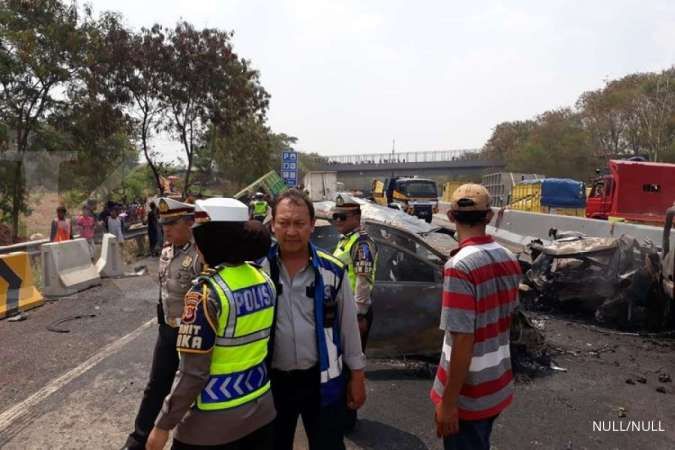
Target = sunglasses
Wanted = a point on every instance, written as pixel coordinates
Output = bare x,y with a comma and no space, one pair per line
341,216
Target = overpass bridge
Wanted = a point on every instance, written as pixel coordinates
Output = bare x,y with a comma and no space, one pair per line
357,171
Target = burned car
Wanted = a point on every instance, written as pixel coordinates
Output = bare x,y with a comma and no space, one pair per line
407,291
616,281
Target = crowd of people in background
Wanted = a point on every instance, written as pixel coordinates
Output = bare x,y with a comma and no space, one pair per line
114,218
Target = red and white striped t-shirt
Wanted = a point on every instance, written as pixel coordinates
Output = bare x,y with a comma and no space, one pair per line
480,293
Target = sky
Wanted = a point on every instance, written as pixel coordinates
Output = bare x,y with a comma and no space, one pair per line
350,76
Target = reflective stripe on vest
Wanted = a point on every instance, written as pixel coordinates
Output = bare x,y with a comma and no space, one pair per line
238,373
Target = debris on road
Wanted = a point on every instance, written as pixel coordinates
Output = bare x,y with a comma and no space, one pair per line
661,389
54,325
18,318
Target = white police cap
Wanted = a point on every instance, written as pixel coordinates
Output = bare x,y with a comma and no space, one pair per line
219,209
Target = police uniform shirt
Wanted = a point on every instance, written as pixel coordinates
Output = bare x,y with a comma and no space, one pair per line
178,266
196,339
363,254
295,345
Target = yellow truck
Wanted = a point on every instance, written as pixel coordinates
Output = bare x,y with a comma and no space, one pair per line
564,197
415,196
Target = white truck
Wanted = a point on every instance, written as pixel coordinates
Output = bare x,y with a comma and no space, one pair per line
321,186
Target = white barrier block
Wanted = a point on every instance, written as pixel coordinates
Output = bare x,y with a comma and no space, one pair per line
67,268
110,264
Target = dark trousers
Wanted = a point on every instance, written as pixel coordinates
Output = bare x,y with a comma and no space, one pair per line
162,373
260,439
297,394
351,414
364,335
473,435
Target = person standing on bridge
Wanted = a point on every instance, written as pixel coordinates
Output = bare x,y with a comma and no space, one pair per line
473,384
179,264
221,398
315,331
358,252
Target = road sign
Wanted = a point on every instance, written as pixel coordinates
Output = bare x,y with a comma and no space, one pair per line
289,167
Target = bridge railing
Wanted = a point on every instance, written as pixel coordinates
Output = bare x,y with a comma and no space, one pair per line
403,157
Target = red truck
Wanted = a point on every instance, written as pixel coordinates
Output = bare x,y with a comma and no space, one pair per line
636,191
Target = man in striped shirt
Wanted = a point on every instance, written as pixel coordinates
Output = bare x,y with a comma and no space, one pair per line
480,292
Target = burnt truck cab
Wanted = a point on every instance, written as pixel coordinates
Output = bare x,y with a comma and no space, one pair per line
415,196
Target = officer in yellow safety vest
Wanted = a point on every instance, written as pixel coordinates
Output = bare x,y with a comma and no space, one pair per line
259,207
358,252
221,397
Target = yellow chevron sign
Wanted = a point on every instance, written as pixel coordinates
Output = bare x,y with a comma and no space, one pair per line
17,291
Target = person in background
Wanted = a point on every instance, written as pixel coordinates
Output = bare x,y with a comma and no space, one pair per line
61,229
86,223
474,383
179,264
115,224
103,216
358,252
153,229
258,208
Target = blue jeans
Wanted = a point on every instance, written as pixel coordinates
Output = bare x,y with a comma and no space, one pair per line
473,435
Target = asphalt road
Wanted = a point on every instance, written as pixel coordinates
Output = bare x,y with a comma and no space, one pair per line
81,389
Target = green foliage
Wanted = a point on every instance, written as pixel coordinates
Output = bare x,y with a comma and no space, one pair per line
247,152
208,86
634,115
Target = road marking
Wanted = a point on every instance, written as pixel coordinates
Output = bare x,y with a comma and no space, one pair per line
19,410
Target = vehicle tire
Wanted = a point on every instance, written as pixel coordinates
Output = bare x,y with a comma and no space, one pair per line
428,219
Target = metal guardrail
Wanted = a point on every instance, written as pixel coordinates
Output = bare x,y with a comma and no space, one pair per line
33,247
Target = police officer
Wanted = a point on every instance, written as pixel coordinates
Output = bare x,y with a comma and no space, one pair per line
179,263
259,207
358,253
221,398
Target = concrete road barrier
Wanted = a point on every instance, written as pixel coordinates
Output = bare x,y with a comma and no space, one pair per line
17,291
520,227
110,264
67,268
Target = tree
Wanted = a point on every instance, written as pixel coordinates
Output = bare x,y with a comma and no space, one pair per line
207,85
144,81
506,138
655,106
557,146
40,50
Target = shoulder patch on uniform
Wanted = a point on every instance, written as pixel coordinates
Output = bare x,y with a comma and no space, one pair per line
196,333
191,301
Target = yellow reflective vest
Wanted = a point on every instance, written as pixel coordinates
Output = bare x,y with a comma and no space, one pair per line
343,252
238,372
260,208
